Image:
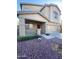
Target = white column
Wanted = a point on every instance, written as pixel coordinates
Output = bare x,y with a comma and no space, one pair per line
21,27
38,31
46,28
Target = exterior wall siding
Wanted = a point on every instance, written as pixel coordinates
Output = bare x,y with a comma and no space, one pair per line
46,12
31,8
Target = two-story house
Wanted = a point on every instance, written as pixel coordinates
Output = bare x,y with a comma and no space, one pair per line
38,19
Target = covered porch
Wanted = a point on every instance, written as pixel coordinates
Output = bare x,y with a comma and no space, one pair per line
34,27
31,27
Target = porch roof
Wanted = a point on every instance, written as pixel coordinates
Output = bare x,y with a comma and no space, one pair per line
32,12
33,21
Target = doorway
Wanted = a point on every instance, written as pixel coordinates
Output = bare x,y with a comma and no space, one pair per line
38,29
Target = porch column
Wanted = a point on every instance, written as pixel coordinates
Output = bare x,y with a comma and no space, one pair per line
45,26
21,26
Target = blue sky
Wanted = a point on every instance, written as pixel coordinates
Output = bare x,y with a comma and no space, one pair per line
58,2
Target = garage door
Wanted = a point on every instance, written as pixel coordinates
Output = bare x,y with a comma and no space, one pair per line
51,29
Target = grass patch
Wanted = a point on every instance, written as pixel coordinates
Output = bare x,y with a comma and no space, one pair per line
25,38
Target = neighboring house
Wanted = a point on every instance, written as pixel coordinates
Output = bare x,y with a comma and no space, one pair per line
38,19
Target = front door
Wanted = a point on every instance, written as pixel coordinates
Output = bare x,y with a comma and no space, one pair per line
38,29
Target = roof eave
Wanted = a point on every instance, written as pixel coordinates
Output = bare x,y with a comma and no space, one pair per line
26,12
22,3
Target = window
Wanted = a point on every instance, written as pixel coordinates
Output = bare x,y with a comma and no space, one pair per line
28,26
55,15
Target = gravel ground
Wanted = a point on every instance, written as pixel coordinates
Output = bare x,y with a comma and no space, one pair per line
36,49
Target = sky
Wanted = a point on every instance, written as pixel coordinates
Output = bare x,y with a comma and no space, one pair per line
58,2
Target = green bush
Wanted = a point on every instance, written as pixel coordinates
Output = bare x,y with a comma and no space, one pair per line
25,38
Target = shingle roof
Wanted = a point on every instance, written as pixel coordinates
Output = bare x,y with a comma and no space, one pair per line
22,3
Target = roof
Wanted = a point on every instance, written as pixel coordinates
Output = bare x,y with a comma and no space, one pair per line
22,3
36,12
40,5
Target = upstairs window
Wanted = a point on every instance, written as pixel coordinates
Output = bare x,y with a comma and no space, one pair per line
55,15
28,26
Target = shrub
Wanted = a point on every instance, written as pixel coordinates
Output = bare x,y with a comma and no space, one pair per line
25,38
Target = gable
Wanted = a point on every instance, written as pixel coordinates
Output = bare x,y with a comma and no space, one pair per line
56,9
48,12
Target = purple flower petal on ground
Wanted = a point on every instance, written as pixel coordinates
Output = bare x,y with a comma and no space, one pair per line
36,49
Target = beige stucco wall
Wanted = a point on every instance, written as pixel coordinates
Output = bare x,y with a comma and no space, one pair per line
21,26
31,7
46,12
